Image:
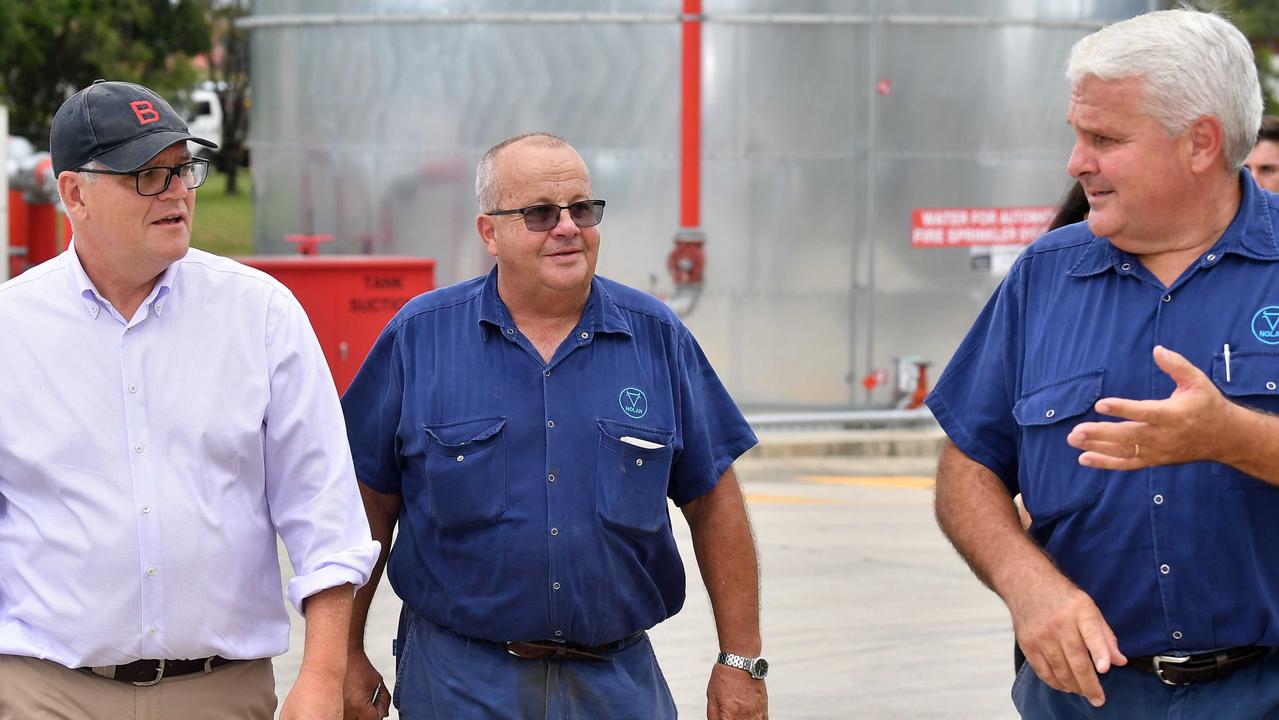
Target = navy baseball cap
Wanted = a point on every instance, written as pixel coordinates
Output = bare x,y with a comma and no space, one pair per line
119,124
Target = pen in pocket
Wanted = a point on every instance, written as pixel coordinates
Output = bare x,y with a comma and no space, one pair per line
1225,351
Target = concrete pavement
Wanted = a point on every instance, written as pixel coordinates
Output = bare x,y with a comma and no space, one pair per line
867,611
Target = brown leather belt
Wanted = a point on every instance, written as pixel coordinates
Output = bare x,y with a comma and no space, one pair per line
1193,669
149,672
558,650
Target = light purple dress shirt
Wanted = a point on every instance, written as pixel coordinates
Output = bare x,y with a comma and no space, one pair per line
147,465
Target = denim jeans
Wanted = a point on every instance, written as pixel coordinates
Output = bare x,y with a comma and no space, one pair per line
440,674
1251,693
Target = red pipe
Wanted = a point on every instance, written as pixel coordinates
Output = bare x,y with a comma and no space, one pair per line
687,261
691,118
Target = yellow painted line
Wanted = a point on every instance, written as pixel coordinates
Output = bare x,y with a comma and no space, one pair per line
763,499
918,482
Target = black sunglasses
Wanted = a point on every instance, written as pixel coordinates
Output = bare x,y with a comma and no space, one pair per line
540,218
155,180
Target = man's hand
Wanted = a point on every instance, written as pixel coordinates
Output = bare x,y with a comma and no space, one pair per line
1065,638
1189,425
362,681
315,696
734,695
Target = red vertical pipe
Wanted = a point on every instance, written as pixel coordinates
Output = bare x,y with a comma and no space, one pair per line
690,211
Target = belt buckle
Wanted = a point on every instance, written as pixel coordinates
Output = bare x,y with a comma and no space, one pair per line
1158,661
159,675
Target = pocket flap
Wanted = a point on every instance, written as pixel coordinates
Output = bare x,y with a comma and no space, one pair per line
456,435
1252,372
1063,399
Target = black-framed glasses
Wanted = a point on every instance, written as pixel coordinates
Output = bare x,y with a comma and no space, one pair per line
155,180
540,218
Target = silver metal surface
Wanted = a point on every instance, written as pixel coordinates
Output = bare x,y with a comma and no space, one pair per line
369,117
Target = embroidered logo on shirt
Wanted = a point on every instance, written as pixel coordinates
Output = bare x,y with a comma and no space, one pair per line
1265,325
635,405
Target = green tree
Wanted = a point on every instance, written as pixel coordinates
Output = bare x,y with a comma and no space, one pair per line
229,71
50,48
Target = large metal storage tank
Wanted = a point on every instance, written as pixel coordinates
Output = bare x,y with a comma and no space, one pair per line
369,116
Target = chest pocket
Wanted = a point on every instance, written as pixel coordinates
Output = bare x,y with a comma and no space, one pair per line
632,478
1052,480
466,472
1254,383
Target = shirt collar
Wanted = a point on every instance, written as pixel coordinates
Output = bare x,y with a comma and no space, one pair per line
601,313
93,301
1251,234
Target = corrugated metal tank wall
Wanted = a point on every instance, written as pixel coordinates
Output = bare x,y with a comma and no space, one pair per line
370,131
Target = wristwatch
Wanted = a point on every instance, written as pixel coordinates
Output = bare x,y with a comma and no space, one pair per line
757,667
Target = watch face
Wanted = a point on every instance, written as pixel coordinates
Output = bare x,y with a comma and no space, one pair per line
760,668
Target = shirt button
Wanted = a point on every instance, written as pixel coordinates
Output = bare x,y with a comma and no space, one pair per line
546,373
559,633
550,423
1270,385
639,462
555,586
585,335
1159,499
460,458
555,531
128,330
510,331
137,448
551,477
1210,257
133,388
152,631
1125,267
1165,569
150,572
1167,298
1176,635
146,508
1050,413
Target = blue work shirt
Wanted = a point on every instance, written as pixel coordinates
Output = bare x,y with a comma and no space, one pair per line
1179,558
534,493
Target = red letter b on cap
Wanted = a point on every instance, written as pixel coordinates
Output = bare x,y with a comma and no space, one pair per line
145,112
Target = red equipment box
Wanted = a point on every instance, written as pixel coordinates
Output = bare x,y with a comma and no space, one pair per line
349,299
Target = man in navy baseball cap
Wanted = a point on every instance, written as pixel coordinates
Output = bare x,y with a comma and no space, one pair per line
120,125
194,421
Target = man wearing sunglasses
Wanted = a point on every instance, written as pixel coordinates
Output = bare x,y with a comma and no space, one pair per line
525,430
163,414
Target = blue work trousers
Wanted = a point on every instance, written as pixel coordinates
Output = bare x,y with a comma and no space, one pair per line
440,674
1251,693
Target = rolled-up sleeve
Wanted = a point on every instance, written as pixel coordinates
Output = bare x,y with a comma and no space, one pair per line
310,482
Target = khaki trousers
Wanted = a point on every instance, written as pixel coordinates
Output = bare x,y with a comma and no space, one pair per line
32,689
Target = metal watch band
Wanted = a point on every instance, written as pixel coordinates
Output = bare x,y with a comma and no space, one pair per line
757,667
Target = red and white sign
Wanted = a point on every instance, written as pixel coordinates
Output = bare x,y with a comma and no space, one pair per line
966,227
